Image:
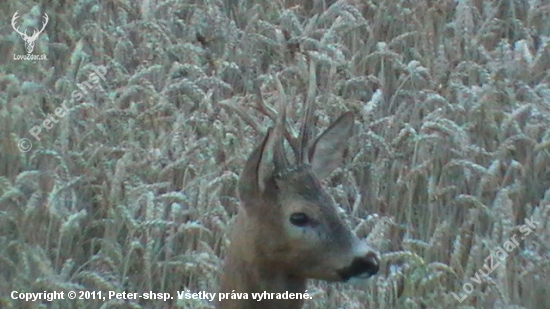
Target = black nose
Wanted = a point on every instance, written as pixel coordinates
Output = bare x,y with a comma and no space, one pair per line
364,266
371,263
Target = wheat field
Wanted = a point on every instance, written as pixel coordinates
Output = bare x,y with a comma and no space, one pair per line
132,190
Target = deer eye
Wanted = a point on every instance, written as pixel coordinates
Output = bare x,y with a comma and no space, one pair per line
299,219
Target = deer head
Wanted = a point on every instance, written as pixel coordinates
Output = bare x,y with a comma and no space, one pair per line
288,229
29,40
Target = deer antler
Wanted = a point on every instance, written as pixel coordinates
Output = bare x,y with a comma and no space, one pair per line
35,34
13,25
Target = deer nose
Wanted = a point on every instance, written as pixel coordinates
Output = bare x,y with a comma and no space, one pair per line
371,263
362,267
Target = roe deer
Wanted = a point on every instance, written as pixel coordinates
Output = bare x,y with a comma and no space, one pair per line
287,229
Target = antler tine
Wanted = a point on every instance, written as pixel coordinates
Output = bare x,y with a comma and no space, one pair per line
280,125
262,107
44,23
305,134
289,132
35,34
305,130
13,24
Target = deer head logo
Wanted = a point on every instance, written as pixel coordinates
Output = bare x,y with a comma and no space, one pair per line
29,40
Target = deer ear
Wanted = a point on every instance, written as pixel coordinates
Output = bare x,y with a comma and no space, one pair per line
327,151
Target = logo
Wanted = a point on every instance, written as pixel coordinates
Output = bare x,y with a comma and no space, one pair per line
29,40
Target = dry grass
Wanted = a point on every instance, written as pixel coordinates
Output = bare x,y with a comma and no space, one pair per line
134,189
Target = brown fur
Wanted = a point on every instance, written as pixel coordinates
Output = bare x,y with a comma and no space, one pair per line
271,249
